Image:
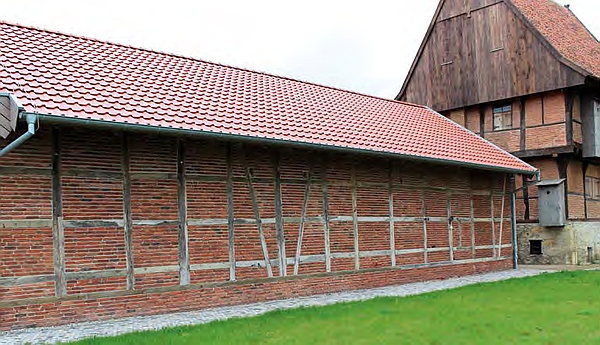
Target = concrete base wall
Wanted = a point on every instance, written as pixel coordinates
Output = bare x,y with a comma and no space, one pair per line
577,243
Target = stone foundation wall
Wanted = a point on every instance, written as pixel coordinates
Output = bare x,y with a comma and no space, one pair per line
578,243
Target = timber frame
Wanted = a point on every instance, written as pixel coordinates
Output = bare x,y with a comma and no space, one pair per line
316,175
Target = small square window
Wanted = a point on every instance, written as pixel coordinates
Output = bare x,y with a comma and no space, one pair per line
592,187
535,247
502,117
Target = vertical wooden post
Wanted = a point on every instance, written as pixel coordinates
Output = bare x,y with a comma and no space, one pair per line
279,218
127,219
526,196
502,217
424,215
482,121
58,230
261,234
562,162
183,237
324,189
522,126
450,229
302,220
230,214
472,226
585,191
460,233
355,217
391,213
569,100
493,220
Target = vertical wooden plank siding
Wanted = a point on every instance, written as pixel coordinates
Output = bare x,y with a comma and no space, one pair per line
391,213
355,218
230,215
127,219
424,214
183,237
279,218
450,221
261,233
302,220
325,215
58,230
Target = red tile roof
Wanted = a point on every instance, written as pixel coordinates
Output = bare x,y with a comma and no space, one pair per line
564,31
83,78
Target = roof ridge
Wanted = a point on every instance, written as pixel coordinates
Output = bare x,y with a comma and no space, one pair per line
565,11
581,22
56,32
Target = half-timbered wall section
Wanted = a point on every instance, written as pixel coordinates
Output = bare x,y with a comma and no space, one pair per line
525,126
97,225
522,74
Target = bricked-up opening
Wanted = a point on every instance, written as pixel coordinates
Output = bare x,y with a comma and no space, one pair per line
535,247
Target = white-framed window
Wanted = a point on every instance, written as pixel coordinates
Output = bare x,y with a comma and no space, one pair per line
502,116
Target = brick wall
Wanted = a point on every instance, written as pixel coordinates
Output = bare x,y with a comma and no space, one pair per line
545,128
544,123
85,259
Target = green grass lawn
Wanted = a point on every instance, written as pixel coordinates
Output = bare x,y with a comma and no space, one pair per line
561,308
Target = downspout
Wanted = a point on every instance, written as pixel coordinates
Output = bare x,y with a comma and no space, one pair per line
513,213
31,123
513,221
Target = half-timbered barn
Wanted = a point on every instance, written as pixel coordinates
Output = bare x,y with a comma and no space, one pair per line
525,75
135,182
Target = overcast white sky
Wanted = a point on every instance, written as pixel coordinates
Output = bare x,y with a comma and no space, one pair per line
366,46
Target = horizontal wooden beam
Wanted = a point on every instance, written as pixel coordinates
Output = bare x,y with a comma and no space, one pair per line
318,258
544,152
16,170
123,293
156,269
107,223
89,173
114,175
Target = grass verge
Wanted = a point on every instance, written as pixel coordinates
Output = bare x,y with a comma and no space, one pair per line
560,308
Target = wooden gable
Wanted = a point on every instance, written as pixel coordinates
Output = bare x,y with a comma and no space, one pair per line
479,51
9,110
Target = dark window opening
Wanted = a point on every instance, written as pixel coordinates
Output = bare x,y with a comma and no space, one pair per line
502,117
535,247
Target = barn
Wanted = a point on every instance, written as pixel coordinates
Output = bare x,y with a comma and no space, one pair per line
135,182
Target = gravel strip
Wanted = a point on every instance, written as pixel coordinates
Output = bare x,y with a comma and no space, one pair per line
72,332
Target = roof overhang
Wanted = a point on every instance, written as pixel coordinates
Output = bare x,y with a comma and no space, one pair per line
122,126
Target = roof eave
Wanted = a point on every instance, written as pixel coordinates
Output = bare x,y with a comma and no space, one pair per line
122,126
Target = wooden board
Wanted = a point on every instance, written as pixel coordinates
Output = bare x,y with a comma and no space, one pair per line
8,116
481,51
